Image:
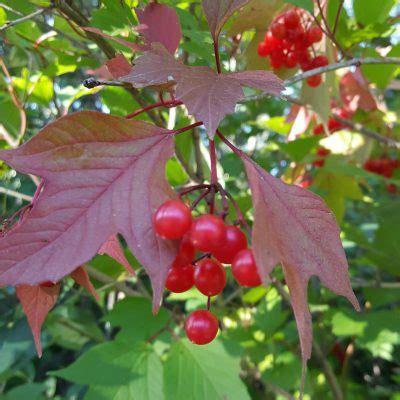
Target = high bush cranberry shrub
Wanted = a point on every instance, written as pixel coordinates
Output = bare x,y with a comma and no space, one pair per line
103,175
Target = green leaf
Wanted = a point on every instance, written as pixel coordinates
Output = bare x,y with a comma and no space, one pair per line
299,148
318,98
3,16
307,5
381,75
31,391
338,187
269,315
385,248
118,371
371,11
375,331
134,315
72,328
202,372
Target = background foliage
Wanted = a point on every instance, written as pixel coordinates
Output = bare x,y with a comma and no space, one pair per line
115,348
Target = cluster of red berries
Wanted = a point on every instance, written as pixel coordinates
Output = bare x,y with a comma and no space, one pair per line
333,125
288,43
384,167
220,244
322,152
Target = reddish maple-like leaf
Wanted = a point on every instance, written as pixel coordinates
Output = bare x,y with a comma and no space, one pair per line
102,175
207,95
293,226
157,67
159,23
355,93
118,66
218,11
81,277
112,248
37,301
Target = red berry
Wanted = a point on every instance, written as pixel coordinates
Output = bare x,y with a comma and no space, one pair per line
272,42
47,284
313,35
343,113
291,60
262,49
244,269
180,279
186,252
278,30
172,219
318,130
291,19
201,327
314,81
305,184
319,61
209,277
207,233
391,188
323,152
234,241
334,125
276,64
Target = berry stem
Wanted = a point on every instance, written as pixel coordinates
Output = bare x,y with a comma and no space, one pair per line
208,303
199,198
186,128
168,103
217,57
213,177
238,211
237,151
193,188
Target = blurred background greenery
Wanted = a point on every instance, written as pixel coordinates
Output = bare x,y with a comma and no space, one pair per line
115,348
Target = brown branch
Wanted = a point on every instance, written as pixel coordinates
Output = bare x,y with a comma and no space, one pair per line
339,11
103,278
326,367
9,24
344,64
368,132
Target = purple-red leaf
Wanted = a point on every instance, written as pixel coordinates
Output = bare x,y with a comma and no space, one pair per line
207,95
81,277
355,93
118,66
218,11
293,226
261,80
112,248
37,301
102,175
159,23
157,67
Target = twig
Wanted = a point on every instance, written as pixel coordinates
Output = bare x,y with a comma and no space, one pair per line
339,11
367,132
103,278
328,371
326,367
15,194
344,64
9,24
